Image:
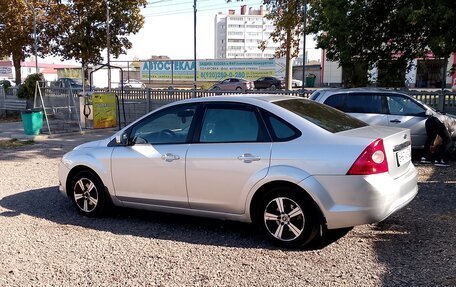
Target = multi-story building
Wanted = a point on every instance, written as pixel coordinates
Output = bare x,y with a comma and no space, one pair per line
239,35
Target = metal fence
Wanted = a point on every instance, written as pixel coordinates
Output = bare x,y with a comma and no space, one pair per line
134,103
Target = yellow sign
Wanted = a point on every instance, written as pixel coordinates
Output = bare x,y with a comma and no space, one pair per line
104,111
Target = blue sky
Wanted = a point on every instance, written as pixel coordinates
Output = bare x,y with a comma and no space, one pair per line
168,29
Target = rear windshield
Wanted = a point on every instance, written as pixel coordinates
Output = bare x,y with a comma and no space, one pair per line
323,116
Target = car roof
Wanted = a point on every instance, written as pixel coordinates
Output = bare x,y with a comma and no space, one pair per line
251,98
362,89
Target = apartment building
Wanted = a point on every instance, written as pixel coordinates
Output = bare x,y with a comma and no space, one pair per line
239,35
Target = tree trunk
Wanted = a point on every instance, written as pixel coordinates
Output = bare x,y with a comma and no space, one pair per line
17,66
289,62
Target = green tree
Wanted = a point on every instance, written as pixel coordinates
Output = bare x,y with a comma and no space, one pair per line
85,33
17,29
386,34
287,16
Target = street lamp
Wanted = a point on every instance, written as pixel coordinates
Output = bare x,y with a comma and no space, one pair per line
194,47
34,33
108,45
304,47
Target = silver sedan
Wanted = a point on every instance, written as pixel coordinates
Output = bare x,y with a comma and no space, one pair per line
294,167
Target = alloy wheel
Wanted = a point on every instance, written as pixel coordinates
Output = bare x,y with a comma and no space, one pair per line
85,195
284,219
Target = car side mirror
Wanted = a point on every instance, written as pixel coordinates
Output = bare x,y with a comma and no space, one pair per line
122,139
429,113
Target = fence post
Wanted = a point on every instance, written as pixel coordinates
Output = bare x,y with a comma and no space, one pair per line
148,99
441,103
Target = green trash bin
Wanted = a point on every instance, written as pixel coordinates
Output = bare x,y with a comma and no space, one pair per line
310,81
32,121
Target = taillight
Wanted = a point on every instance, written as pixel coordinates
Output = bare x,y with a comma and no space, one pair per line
371,161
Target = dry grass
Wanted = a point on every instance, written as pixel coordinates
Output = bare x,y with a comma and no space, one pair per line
14,143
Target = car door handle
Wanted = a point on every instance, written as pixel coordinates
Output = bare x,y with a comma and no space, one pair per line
248,158
169,157
396,121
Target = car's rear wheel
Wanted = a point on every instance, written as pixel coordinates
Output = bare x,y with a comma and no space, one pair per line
238,89
273,87
288,218
87,194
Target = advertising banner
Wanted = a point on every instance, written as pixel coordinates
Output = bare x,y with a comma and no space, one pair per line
6,72
104,111
210,70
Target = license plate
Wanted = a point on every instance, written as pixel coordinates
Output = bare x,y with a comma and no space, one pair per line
404,155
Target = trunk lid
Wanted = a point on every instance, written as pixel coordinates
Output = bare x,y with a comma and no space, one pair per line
397,145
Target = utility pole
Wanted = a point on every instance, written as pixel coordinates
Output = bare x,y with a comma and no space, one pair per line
34,35
194,47
108,45
304,47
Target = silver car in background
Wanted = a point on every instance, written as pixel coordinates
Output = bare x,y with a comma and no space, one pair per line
384,108
294,167
233,84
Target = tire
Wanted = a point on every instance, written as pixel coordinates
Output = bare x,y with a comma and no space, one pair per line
239,89
273,88
88,194
282,229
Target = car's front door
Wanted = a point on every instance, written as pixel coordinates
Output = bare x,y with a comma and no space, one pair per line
151,170
231,154
406,113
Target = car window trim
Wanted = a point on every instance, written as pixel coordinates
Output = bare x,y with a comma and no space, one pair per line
244,106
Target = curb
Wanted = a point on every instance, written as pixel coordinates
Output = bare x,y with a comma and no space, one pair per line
43,137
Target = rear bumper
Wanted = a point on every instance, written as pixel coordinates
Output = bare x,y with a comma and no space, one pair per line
347,201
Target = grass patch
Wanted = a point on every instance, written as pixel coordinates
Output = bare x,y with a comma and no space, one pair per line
14,143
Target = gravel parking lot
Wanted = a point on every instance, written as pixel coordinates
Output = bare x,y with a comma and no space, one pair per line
45,242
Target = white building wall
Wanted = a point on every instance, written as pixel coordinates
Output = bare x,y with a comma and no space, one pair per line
332,74
238,36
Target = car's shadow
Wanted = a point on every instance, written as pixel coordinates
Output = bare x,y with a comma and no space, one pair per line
49,204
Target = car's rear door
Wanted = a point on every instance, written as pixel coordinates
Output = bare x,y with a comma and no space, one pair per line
230,153
368,107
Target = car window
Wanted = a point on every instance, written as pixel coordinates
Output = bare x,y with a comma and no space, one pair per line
367,103
261,79
226,81
315,95
231,124
280,129
401,105
323,116
234,80
170,126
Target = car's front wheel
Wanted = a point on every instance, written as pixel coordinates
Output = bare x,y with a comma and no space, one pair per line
87,194
288,218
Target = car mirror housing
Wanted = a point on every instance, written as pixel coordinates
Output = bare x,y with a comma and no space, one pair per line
122,138
429,113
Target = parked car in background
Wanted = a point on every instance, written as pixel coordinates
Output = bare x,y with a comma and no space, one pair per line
384,108
233,84
294,167
294,83
133,83
67,83
271,83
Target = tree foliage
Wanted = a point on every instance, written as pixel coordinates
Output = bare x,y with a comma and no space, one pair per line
85,33
383,33
17,29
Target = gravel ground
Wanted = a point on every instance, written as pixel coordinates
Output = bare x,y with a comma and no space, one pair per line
45,242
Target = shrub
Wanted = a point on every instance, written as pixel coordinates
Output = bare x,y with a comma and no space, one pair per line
5,84
27,89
